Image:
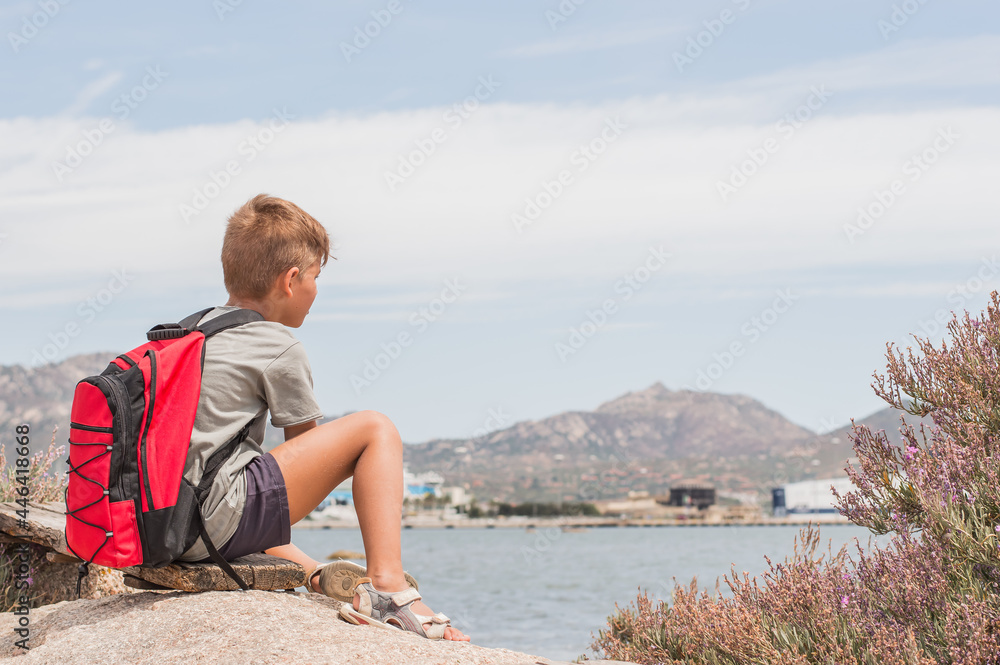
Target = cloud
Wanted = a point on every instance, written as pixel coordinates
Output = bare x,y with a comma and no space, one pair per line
655,184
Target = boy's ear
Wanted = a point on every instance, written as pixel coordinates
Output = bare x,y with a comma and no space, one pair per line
284,281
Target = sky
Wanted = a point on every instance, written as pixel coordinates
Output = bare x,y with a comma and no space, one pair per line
536,206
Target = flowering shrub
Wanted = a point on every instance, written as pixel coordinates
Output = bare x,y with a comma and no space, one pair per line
931,595
44,484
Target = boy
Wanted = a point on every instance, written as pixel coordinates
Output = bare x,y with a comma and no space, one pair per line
271,255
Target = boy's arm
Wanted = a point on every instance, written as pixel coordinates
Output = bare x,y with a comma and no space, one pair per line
295,430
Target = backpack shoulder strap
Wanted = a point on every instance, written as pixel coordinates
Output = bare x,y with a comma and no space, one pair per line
228,320
188,324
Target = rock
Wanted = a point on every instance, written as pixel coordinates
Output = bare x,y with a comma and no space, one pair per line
347,554
259,571
52,582
226,627
53,574
44,526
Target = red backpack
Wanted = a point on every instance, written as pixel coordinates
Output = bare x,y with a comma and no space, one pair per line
127,502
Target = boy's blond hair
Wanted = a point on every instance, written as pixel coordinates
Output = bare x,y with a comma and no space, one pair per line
266,237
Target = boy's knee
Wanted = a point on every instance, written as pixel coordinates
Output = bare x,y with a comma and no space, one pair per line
379,425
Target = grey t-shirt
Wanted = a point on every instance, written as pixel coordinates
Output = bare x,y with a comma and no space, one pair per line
249,370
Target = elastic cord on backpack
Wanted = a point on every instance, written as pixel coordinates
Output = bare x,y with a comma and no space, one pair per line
84,569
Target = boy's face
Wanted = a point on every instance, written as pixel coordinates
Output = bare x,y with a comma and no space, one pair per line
303,293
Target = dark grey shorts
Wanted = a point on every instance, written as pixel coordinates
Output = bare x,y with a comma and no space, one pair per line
265,522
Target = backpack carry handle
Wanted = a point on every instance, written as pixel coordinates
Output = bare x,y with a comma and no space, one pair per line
176,330
164,331
190,324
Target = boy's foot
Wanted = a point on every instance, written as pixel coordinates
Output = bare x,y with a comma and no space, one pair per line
417,606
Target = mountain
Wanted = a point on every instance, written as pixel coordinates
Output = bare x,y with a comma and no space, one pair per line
655,423
41,397
643,440
887,419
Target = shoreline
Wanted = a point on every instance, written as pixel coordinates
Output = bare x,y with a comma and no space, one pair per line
578,523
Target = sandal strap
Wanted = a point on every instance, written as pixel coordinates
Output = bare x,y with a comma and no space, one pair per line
404,598
394,609
438,621
364,594
435,618
436,631
313,573
399,599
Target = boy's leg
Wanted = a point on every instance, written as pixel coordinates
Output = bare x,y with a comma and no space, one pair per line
367,446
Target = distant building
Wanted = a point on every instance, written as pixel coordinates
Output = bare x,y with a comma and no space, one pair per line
336,498
414,487
458,495
420,485
692,493
808,496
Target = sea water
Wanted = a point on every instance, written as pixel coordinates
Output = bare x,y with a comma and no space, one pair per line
547,592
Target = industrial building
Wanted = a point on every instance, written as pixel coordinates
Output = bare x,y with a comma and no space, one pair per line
692,493
808,496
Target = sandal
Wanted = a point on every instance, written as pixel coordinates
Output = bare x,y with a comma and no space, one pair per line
378,608
337,579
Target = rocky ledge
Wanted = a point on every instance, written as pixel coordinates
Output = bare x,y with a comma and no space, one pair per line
225,627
